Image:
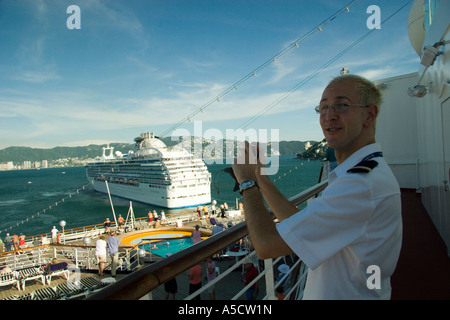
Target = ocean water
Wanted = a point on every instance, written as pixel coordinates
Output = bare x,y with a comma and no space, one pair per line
33,201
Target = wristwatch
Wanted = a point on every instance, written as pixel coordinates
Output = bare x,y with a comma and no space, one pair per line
247,184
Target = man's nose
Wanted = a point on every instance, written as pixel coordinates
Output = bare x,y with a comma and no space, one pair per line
331,114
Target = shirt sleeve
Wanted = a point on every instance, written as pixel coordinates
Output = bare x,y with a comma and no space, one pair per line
330,222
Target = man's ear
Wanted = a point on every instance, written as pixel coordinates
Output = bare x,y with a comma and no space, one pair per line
372,113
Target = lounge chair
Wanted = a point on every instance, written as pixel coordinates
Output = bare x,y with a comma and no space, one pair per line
91,283
9,278
67,289
28,274
23,262
56,269
37,258
28,296
45,294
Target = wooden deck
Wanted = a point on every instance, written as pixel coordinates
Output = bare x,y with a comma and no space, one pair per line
225,289
34,285
423,269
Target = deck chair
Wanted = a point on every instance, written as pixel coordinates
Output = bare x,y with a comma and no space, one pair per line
203,224
57,269
29,274
67,289
10,278
28,296
45,294
37,258
11,261
24,261
91,283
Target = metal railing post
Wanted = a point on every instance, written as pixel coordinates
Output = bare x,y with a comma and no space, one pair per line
76,256
270,287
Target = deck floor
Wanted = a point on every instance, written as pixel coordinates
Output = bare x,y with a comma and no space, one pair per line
423,269
225,289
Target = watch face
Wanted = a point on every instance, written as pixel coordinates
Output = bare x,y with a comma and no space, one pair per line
247,183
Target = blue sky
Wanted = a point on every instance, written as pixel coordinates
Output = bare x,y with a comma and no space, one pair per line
141,65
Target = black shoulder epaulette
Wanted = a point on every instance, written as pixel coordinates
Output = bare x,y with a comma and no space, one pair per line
363,167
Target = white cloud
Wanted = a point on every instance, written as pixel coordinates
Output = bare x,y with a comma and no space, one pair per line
36,76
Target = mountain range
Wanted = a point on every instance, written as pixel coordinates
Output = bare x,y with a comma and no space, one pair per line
21,154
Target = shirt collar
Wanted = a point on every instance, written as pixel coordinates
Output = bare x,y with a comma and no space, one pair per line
353,160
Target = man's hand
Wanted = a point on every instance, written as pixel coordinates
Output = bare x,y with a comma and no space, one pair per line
248,164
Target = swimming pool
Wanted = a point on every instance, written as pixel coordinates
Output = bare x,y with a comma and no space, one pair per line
160,242
163,247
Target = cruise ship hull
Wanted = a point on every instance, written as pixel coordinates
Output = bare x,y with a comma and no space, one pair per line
160,197
153,174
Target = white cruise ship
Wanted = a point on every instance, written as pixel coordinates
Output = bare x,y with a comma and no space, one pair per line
152,173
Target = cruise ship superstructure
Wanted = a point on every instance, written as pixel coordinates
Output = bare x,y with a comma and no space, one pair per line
153,173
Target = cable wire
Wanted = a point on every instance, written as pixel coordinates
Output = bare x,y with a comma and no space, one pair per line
270,61
316,72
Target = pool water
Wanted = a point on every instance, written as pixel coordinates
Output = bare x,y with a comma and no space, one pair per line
163,247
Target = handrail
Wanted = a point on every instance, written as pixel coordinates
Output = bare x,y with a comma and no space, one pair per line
83,229
144,280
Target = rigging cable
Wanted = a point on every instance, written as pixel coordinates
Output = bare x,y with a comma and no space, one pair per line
311,76
253,73
316,72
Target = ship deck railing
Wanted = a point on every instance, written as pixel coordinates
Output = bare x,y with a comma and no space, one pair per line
95,230
146,274
141,283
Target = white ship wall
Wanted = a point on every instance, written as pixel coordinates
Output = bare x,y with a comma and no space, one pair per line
159,197
397,129
434,126
415,132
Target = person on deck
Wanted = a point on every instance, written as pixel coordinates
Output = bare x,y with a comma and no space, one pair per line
120,222
350,237
113,247
100,254
107,225
15,241
196,235
9,243
250,274
195,280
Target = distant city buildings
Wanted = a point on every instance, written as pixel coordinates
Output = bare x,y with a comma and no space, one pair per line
308,145
66,162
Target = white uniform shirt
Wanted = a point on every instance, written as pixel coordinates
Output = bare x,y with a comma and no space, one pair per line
356,223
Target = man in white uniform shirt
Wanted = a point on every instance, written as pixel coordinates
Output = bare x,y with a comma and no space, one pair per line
350,236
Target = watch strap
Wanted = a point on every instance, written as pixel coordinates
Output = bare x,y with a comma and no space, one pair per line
247,184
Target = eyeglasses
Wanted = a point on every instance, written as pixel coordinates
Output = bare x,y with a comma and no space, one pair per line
337,107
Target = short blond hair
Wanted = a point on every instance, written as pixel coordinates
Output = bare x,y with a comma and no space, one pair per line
368,92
